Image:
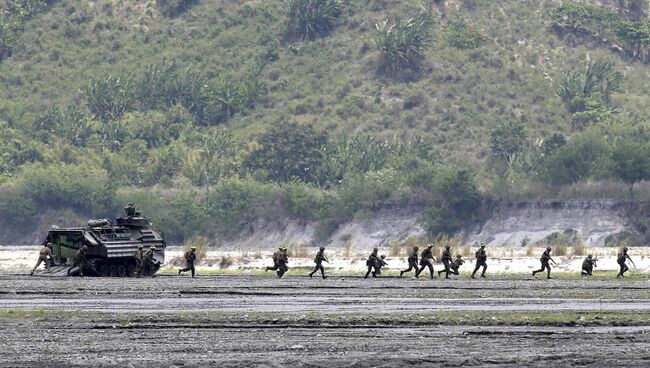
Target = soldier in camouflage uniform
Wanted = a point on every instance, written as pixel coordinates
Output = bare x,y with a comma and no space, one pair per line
372,263
148,261
320,258
190,257
381,263
44,255
276,261
413,262
138,259
622,257
455,266
481,260
588,266
545,259
79,261
282,262
446,261
426,259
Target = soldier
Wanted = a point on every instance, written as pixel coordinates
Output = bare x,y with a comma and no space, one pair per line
129,210
282,262
148,261
276,260
381,263
425,261
546,258
622,257
190,257
79,261
413,262
372,263
446,261
138,258
588,266
320,258
44,255
481,258
456,264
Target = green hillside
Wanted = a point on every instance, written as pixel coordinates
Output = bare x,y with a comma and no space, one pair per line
210,113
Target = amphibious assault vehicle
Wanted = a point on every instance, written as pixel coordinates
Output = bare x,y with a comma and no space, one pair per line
111,246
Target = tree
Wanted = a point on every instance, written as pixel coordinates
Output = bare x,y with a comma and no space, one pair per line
457,203
631,162
507,140
586,156
289,150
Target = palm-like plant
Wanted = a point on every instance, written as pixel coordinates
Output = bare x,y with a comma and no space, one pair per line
309,19
403,43
599,77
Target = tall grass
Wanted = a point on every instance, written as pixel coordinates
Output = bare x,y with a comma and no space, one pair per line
308,19
403,43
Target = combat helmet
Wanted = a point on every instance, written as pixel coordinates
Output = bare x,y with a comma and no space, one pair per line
153,247
322,248
625,249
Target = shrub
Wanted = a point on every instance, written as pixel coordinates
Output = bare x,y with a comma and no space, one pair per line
460,35
230,199
226,261
403,43
108,98
172,8
308,19
202,245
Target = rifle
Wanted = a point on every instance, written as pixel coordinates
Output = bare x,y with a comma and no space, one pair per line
631,261
552,260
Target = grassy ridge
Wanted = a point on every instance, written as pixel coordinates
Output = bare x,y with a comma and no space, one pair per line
237,72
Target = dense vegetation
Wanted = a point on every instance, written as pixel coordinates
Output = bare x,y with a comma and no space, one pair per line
209,114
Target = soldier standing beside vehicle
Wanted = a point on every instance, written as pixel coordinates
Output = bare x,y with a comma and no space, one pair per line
455,266
413,262
546,258
481,260
446,261
190,257
426,259
44,255
79,261
622,257
138,258
148,261
588,266
320,258
372,263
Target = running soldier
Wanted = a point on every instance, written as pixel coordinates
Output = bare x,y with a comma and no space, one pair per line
44,255
79,261
426,259
446,261
481,260
283,259
276,260
546,258
372,263
588,266
381,263
320,258
622,257
138,259
413,262
455,266
190,257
